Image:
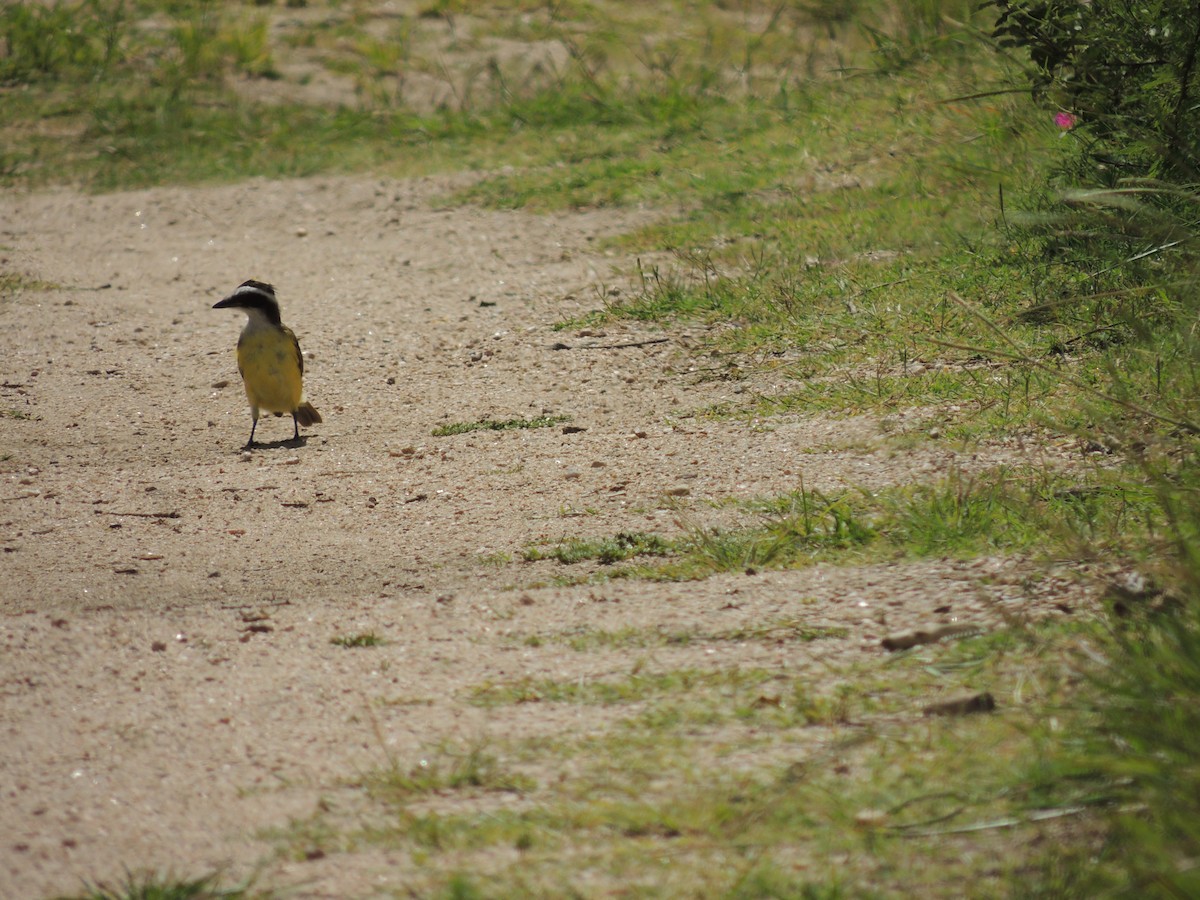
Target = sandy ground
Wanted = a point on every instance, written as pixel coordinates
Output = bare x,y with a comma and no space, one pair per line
168,688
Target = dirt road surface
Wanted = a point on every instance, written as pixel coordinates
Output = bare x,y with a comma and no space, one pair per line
169,691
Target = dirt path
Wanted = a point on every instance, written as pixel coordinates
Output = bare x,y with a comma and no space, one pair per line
168,687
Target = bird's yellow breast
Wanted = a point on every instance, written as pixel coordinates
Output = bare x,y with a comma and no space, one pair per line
271,366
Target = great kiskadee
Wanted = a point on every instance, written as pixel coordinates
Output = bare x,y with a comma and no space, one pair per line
269,359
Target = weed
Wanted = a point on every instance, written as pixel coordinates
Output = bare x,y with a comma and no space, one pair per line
776,631
635,687
247,43
789,629
449,768
802,526
57,40
363,639
607,551
497,425
13,283
150,886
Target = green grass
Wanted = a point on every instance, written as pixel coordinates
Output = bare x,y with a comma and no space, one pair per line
780,630
776,631
622,546
634,688
855,793
497,425
448,769
12,283
150,886
362,639
1013,510
123,94
874,336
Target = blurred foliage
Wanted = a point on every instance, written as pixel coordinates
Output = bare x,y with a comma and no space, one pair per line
1124,75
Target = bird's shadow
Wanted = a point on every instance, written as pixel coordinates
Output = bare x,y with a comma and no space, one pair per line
277,445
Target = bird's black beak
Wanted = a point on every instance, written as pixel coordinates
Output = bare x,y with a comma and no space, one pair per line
223,304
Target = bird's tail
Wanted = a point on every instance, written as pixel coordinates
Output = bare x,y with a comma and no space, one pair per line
306,414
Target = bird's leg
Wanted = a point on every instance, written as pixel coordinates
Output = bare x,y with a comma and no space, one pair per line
295,428
250,443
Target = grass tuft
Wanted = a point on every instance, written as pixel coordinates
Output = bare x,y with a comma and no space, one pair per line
498,425
620,547
450,769
362,639
150,886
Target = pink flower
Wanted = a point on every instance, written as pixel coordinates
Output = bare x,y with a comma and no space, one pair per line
1065,121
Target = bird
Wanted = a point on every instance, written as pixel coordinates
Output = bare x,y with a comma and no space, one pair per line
269,359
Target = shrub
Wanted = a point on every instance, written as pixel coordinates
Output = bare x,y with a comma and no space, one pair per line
1123,74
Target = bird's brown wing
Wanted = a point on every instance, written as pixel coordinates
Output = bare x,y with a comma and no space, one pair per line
296,347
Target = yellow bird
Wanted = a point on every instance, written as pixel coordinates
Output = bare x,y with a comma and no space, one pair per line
269,359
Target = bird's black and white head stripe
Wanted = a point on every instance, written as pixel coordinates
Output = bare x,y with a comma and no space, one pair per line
257,295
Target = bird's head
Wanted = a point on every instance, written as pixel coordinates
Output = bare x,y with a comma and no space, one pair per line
255,298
